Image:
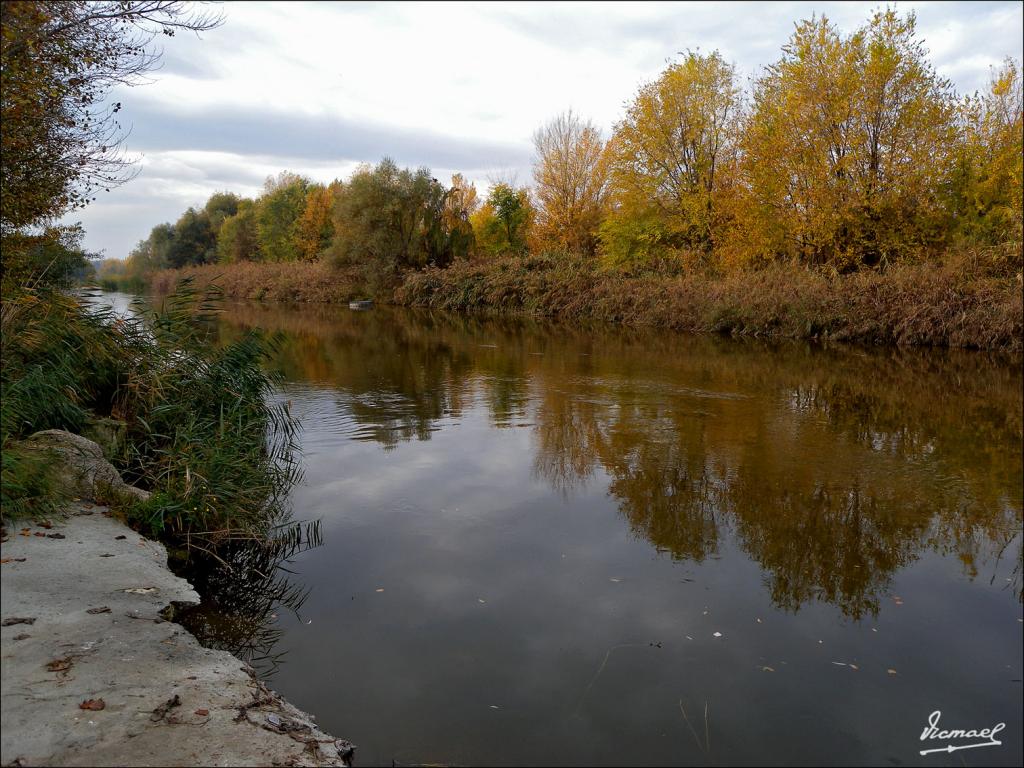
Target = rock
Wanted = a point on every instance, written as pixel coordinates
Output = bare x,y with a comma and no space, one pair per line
85,472
109,433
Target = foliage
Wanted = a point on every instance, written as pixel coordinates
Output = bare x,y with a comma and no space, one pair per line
844,153
314,229
670,158
962,302
193,240
389,219
278,213
58,61
238,239
569,177
51,257
503,223
203,431
988,179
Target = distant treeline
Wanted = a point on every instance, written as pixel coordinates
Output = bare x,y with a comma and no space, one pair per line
848,152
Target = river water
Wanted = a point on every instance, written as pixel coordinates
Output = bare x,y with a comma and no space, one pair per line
550,544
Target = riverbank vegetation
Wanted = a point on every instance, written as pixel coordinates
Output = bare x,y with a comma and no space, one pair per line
848,174
189,419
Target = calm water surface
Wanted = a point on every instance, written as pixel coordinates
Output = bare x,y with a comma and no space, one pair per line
552,545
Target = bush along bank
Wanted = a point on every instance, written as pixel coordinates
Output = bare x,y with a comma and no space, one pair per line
178,415
968,300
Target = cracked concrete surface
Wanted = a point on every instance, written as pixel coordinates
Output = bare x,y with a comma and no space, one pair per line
166,699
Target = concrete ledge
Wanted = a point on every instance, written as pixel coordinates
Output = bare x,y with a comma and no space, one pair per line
166,699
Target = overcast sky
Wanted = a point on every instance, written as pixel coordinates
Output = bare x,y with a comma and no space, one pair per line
318,88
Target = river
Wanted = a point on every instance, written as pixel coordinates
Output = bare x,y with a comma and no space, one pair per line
554,544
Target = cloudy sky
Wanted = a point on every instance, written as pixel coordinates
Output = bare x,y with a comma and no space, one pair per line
318,88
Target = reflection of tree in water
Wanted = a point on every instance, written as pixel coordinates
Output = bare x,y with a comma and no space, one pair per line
242,592
831,469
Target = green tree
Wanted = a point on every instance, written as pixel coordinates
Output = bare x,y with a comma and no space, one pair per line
194,241
280,208
503,223
389,219
220,207
237,239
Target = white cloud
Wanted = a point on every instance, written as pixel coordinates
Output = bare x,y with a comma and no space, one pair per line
317,88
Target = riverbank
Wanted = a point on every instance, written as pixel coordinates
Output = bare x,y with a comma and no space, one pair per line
967,301
95,673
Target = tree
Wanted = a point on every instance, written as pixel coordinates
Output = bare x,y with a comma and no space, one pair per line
58,62
220,207
237,239
845,152
280,208
388,219
569,180
315,227
459,205
988,178
194,241
503,223
670,157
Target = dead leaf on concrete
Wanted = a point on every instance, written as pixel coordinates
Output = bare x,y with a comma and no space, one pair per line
60,665
161,712
16,620
104,609
56,536
202,712
93,704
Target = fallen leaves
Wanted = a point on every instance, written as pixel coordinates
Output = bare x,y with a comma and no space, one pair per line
103,609
94,705
17,620
160,713
60,665
202,712
12,560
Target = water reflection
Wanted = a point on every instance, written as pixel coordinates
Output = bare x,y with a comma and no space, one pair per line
244,588
831,469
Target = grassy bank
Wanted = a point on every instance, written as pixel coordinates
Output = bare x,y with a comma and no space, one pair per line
964,302
300,281
178,414
970,301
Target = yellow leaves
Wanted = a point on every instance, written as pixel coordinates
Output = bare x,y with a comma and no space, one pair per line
844,150
570,182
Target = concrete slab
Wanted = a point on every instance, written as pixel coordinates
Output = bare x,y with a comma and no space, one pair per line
95,597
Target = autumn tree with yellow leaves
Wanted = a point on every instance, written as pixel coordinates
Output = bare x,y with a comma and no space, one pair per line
988,179
569,183
670,158
846,149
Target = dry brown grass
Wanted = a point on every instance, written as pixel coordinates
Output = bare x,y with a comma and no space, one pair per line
961,302
291,281
966,300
